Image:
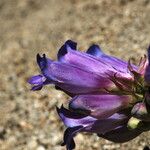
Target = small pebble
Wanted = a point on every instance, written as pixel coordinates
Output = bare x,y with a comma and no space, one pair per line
40,148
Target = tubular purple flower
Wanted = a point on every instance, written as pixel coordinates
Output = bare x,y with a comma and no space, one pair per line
75,80
90,124
91,63
117,64
82,123
71,78
108,94
76,67
100,106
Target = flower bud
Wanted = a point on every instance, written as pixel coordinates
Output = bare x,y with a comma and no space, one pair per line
133,123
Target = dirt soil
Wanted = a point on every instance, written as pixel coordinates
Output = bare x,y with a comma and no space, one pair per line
28,120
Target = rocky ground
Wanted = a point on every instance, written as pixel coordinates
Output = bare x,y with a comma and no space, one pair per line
28,120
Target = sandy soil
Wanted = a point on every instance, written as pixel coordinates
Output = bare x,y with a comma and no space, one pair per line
28,120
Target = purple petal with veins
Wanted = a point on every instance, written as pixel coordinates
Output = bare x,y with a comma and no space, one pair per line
100,106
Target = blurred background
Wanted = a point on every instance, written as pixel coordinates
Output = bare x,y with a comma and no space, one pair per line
28,120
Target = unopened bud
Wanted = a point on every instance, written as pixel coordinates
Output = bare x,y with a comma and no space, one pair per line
133,123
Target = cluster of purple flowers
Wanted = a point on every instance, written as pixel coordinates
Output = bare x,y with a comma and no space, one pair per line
109,97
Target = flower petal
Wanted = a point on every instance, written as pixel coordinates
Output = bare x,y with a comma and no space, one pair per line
93,64
73,79
69,45
70,78
90,124
36,87
37,79
95,50
68,137
100,106
103,126
86,62
117,63
73,119
43,61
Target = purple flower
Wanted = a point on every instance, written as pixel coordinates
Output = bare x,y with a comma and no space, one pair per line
104,89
